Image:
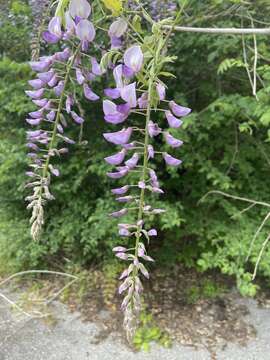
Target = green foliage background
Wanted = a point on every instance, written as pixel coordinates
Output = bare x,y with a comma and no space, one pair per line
226,148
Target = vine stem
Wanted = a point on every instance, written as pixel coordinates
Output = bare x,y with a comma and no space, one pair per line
145,163
57,119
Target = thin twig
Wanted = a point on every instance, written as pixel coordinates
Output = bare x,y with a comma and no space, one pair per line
243,211
257,234
20,309
60,291
37,272
260,203
247,66
260,256
222,31
255,60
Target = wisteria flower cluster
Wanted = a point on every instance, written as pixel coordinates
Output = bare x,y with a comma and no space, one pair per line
56,102
132,106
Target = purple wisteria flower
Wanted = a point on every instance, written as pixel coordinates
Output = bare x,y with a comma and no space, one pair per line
170,160
79,9
133,58
119,137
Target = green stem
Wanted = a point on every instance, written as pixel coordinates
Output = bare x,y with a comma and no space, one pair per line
57,119
145,168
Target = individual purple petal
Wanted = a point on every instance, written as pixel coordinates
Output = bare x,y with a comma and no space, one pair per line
116,43
141,252
58,89
60,128
36,84
133,161
69,103
118,76
55,26
50,38
170,160
32,146
152,232
127,72
116,159
179,110
36,94
79,76
125,285
85,31
148,258
124,274
153,129
119,213
62,55
79,8
123,109
69,22
36,114
79,120
40,66
119,249
161,91
89,94
109,107
133,58
129,146
121,190
124,199
51,115
112,93
124,232
141,185
53,81
173,142
55,172
153,175
122,256
33,121
128,93
143,101
117,175
90,76
41,102
172,120
118,28
116,118
157,190
46,76
151,152
68,140
143,270
96,69
119,137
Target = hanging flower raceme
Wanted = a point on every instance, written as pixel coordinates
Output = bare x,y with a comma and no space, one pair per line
51,93
132,95
138,92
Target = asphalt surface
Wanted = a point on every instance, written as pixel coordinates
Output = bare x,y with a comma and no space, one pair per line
22,338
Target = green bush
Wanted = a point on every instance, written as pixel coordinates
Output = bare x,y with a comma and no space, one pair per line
226,148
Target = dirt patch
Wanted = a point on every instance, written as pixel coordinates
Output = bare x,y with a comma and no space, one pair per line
194,309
